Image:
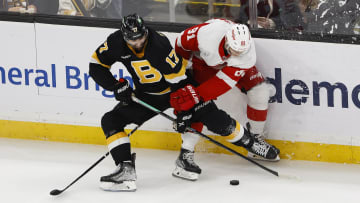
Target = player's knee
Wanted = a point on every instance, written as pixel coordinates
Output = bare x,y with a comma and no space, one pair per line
230,128
220,123
105,120
109,125
235,133
259,96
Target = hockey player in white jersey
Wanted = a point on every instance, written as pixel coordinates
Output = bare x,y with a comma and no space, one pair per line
223,56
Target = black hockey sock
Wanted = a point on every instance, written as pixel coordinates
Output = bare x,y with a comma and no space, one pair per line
121,153
246,141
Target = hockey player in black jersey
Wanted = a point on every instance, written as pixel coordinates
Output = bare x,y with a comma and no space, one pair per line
156,71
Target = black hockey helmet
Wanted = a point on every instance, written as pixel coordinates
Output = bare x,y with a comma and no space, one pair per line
132,27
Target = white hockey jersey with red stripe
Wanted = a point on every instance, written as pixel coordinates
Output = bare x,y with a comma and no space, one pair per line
204,45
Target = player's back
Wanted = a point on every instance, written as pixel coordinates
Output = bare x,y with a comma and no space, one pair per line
211,38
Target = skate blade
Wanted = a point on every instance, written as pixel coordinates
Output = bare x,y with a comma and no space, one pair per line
257,157
183,174
126,186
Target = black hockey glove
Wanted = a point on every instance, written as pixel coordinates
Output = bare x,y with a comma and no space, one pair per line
182,121
122,91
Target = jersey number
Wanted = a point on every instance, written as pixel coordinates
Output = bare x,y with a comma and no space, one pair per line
172,59
149,74
103,48
191,33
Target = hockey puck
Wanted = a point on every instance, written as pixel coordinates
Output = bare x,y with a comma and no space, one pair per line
234,182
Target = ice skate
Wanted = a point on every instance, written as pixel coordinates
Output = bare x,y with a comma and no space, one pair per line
186,168
122,179
261,150
257,148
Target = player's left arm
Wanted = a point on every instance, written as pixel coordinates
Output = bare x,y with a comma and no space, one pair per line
187,97
220,83
102,60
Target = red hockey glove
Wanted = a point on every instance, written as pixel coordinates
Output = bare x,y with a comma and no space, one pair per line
184,98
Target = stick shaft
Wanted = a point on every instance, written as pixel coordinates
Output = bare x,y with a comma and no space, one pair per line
95,164
204,136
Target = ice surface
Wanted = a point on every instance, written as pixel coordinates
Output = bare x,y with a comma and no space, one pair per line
29,170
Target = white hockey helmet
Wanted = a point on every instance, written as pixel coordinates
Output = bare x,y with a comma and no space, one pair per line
238,38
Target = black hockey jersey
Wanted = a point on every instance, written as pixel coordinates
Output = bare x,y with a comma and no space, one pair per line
154,70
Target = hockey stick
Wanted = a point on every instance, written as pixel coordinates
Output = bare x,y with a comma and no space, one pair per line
203,135
57,191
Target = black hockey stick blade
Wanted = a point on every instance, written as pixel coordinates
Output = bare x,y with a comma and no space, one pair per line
204,136
57,191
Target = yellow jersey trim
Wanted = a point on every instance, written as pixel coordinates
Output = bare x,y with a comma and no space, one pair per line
94,56
140,54
178,74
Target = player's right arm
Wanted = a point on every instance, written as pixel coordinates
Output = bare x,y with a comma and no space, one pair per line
187,41
100,64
